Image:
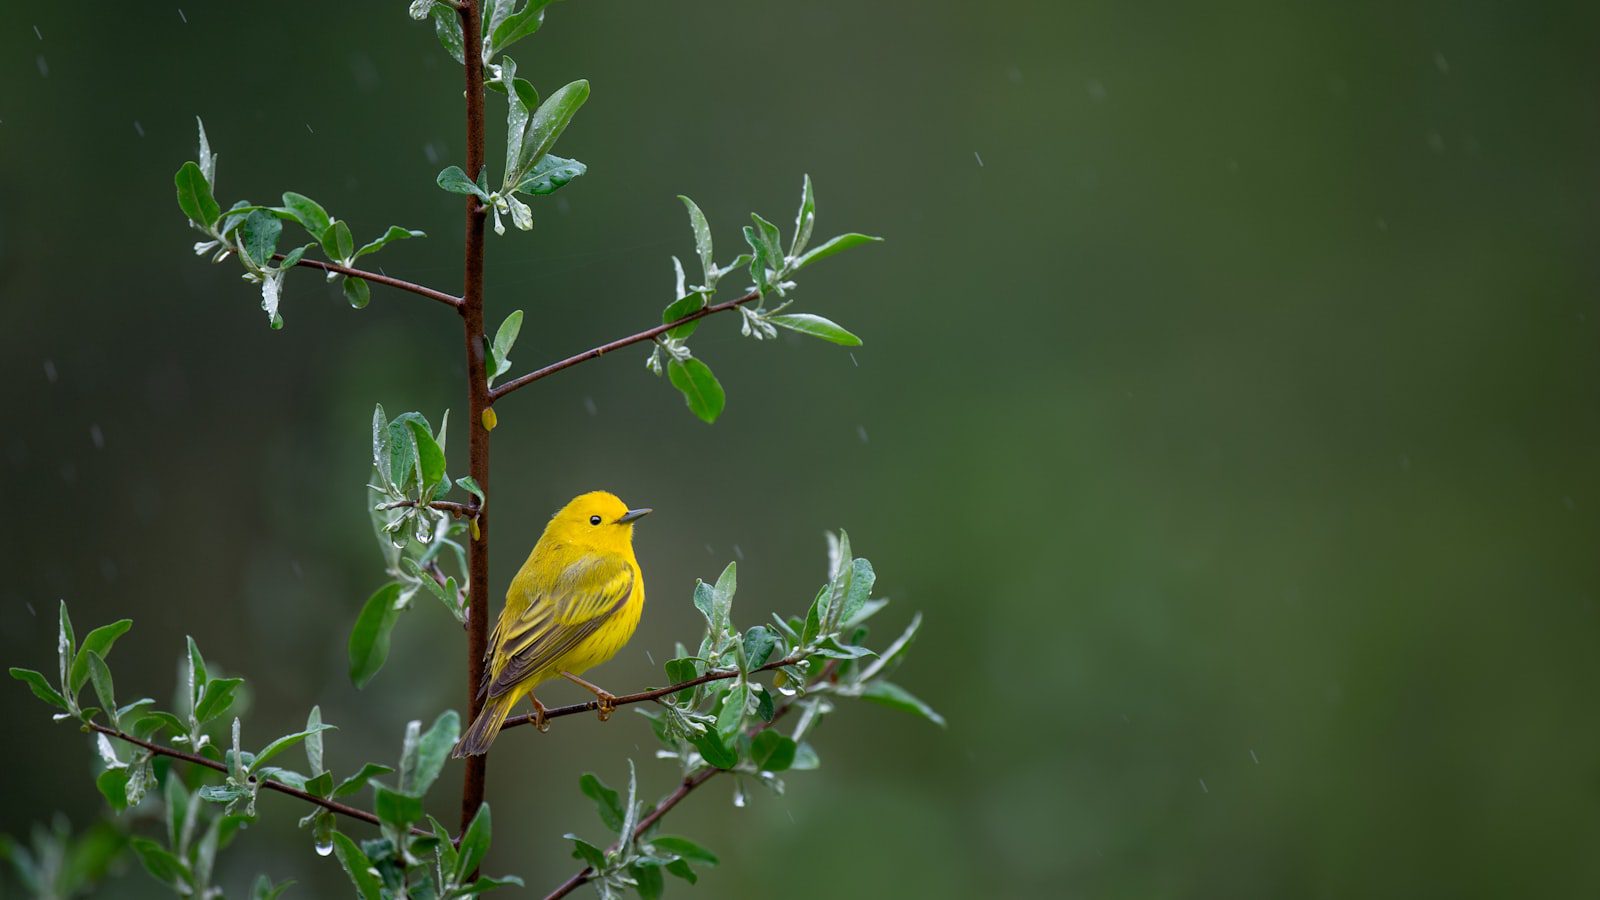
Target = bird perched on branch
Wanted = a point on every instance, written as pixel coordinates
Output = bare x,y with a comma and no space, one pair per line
572,606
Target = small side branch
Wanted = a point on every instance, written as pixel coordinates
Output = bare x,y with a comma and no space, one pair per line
645,824
643,696
603,349
333,806
459,510
449,300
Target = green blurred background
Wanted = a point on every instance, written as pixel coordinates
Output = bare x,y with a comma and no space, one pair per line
1228,406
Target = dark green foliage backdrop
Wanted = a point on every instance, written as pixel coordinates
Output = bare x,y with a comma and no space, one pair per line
1228,405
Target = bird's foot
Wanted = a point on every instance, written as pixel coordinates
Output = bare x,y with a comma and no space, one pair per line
539,720
605,701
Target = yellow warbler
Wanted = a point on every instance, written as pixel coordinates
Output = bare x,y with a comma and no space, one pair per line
572,606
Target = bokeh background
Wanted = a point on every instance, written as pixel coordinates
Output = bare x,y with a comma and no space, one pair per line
1228,407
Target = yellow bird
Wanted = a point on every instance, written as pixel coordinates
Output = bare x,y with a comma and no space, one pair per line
572,606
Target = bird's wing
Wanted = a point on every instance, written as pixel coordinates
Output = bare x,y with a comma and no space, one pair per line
583,596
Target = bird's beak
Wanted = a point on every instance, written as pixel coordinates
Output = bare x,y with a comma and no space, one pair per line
632,514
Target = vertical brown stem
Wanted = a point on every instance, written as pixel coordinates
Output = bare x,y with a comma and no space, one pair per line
472,784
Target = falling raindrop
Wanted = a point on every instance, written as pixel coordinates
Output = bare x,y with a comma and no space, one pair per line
37,33
978,158
324,846
709,551
648,655
31,610
98,436
1097,91
855,362
1435,142
588,404
50,370
738,794
69,473
308,127
186,21
294,566
44,67
1014,75
1203,788
431,152
137,128
861,432
1253,757
1442,64
738,551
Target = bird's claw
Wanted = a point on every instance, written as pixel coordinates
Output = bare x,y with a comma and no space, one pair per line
540,721
606,704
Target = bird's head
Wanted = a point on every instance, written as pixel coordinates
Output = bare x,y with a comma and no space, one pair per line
597,519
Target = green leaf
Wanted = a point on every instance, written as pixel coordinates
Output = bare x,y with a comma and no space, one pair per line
446,847
344,242
40,686
100,677
419,768
771,751
447,25
99,641
684,848
395,233
722,597
113,785
589,853
730,719
215,698
681,869
429,453
702,240
308,212
197,675
356,291
516,26
832,246
259,236
284,743
358,867
805,757
485,884
160,862
550,174
194,196
66,645
452,179
647,880
679,671
474,844
359,780
395,808
369,640
701,390
896,697
816,326
713,750
466,483
550,120
498,360
804,219
606,801
770,242
764,707
705,600
758,644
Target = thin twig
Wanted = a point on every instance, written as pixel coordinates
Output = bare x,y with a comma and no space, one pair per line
400,283
194,759
459,510
653,694
603,349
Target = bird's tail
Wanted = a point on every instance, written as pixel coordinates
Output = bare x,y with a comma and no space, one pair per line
484,728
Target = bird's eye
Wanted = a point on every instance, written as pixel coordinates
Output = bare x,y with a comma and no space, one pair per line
594,520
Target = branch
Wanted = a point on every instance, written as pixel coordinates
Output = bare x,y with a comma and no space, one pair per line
193,759
459,510
689,783
447,299
653,694
603,349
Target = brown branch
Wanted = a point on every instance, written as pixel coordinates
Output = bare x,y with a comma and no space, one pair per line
194,759
653,694
618,344
478,401
400,283
689,783
459,510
